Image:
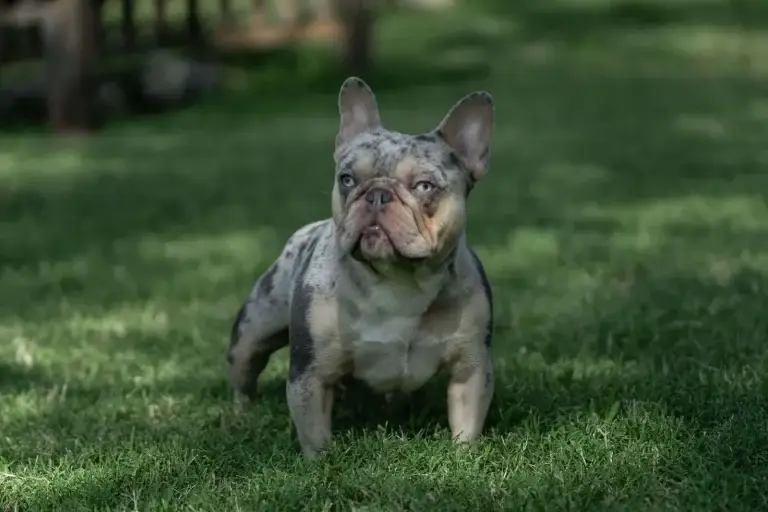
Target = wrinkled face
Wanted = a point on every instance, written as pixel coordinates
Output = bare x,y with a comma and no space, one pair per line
399,197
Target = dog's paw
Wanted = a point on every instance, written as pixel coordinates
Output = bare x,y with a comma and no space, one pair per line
242,400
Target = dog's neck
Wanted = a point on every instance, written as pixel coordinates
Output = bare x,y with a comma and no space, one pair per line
418,285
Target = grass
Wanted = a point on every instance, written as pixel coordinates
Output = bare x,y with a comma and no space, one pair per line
623,224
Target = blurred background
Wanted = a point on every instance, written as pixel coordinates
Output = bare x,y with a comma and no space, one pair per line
156,154
620,124
78,64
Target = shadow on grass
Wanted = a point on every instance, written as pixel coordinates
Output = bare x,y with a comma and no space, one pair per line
584,19
676,340
210,179
684,351
16,378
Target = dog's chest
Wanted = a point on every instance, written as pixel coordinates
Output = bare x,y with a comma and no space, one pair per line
390,349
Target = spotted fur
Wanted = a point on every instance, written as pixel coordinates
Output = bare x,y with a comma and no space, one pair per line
386,289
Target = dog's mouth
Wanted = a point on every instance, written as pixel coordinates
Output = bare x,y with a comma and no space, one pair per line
374,241
388,234
374,230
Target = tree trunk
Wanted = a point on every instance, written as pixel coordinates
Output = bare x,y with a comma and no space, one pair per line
287,11
4,46
161,22
129,25
70,35
194,27
259,17
100,34
323,10
225,10
357,19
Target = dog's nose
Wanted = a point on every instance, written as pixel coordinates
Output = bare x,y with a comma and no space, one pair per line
378,197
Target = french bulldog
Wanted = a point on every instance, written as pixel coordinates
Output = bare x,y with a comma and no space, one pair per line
387,289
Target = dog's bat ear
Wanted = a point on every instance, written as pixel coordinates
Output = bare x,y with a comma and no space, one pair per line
358,110
467,130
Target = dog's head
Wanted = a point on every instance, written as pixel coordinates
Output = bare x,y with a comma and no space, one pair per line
399,197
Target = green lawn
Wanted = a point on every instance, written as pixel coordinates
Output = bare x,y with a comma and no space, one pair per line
623,224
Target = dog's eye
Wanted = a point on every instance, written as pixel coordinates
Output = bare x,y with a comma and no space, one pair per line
424,186
347,180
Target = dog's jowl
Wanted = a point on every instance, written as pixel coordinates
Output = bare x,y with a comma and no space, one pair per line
387,289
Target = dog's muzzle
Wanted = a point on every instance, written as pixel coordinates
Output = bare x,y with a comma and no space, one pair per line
377,198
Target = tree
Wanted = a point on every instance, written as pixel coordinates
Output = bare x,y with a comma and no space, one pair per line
161,22
70,31
227,17
194,27
129,24
357,18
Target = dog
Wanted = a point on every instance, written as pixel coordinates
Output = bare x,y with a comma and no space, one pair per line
386,289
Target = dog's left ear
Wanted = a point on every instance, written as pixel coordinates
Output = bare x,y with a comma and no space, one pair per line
358,110
467,130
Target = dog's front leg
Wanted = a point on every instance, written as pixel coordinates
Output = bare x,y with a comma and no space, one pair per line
309,391
470,390
310,402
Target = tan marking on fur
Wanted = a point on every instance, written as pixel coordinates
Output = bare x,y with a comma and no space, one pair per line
240,370
363,166
463,327
469,398
330,360
406,168
310,403
337,208
447,223
399,222
467,358
412,203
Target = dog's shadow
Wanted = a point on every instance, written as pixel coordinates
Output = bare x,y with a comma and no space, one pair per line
357,408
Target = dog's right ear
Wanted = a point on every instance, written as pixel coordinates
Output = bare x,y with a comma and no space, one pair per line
358,110
467,130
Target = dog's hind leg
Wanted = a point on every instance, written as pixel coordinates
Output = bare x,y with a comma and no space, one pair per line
259,330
